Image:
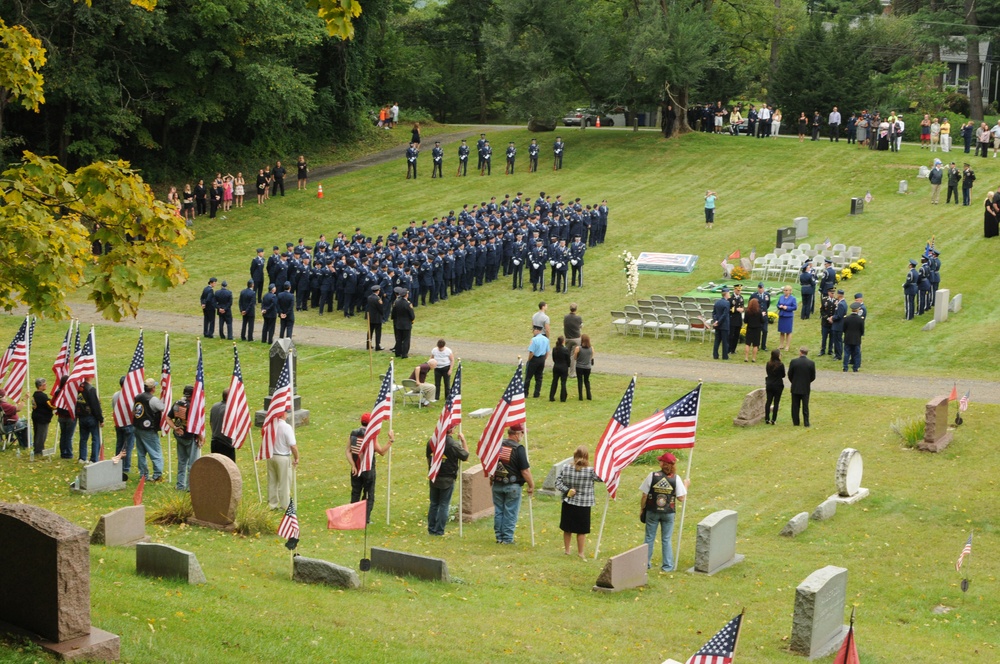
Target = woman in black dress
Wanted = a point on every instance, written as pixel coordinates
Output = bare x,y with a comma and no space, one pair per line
755,323
560,369
415,136
261,186
303,172
803,126
990,221
774,384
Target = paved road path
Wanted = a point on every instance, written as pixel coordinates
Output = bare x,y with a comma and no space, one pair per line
733,372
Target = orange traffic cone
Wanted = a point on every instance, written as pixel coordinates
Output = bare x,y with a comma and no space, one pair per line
319,192
598,125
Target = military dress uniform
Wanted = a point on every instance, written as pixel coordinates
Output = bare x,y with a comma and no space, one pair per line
826,311
269,313
536,259
923,287
934,265
208,309
224,307
486,159
910,290
411,162
807,287
257,274
511,153
837,327
576,252
519,253
463,159
248,310
533,156
437,157
557,152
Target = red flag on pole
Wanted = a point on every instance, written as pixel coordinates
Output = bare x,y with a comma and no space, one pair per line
735,256
347,517
848,653
954,392
137,496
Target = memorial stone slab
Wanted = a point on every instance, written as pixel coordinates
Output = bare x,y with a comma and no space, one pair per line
398,562
796,525
903,187
715,547
936,433
549,485
818,621
280,350
312,570
923,172
98,477
624,571
956,304
746,264
929,326
169,562
216,491
752,410
847,478
942,297
801,227
477,495
123,527
825,510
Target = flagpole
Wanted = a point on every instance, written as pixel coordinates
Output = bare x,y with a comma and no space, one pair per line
687,478
850,638
27,382
460,480
256,475
531,496
166,409
295,494
388,474
371,361
97,386
604,518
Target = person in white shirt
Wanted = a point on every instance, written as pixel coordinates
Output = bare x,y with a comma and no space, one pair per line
442,372
996,137
834,122
284,456
395,114
900,126
764,121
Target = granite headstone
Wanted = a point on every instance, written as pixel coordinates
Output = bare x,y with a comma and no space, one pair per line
941,301
818,621
312,570
624,571
796,525
936,433
752,410
715,547
169,562
101,476
549,485
847,477
399,562
477,495
216,491
123,527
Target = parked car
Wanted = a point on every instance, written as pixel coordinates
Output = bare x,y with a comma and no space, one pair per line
587,115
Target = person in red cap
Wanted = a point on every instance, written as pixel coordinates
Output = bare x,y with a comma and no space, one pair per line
12,421
511,472
660,492
363,483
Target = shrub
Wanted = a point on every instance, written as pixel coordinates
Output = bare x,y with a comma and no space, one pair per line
176,509
254,518
911,432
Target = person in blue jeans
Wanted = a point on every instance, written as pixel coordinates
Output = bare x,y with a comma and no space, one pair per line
660,492
146,414
511,472
91,418
125,435
444,484
188,443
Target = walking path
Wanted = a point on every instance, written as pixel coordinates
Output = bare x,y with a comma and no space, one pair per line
733,372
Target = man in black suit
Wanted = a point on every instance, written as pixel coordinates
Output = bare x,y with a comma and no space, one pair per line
257,274
720,323
854,329
248,309
373,310
801,374
224,305
208,308
286,311
402,323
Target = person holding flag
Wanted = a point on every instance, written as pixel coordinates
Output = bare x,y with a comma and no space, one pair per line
147,412
188,442
91,417
284,453
444,457
363,481
512,471
660,492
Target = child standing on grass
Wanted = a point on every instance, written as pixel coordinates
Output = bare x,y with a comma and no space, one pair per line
709,208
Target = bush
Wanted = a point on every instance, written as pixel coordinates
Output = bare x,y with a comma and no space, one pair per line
414,115
957,103
175,510
911,432
254,518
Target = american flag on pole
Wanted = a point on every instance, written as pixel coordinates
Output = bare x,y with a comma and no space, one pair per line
963,403
236,422
18,362
281,401
61,366
673,428
85,366
604,458
966,550
8,354
827,244
132,387
451,416
509,411
380,413
721,647
166,388
289,527
77,350
196,407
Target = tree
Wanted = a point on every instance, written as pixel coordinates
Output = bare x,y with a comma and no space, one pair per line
21,56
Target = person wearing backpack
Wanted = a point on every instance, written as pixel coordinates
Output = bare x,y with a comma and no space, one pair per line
511,472
147,411
660,492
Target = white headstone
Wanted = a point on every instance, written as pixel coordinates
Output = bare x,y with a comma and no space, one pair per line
801,227
929,327
941,301
549,485
847,477
715,548
100,476
956,304
923,172
902,187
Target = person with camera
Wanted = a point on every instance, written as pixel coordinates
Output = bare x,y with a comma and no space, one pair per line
188,444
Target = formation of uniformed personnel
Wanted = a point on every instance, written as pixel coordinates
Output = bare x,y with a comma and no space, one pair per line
437,160
511,153
557,150
485,158
934,264
411,161
910,290
463,159
533,156
924,293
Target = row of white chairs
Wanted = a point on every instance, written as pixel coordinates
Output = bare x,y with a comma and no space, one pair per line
787,266
656,324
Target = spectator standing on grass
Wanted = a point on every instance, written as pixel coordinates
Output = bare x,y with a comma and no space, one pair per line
583,357
560,368
239,189
661,490
946,135
303,172
935,135
968,133
220,444
147,411
189,444
786,317
445,360
41,416
710,197
968,178
415,135
576,484
363,482
124,428
444,484
925,131
538,350
774,385
954,177
540,319
834,123
754,324
512,471
572,324
935,177
284,457
854,330
803,126
816,123
801,374
983,140
776,123
720,324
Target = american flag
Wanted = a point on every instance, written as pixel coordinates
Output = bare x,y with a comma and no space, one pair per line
166,388
674,427
868,196
18,362
451,416
753,254
827,244
85,365
236,422
380,413
132,387
196,407
281,401
289,526
966,550
8,354
61,366
721,647
963,403
509,411
76,344
604,458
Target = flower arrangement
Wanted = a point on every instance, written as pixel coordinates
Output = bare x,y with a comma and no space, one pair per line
631,273
846,273
862,262
856,267
739,274
772,316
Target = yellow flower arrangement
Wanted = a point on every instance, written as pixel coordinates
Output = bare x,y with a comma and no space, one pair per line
772,316
739,274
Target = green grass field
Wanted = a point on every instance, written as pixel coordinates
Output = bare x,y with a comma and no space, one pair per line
535,604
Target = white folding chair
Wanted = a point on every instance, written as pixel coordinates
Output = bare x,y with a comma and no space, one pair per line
619,322
759,270
651,324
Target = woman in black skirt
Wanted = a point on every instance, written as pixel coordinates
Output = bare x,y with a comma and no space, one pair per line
755,323
775,385
576,484
560,369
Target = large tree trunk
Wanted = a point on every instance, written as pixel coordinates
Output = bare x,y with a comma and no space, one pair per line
975,68
679,98
936,51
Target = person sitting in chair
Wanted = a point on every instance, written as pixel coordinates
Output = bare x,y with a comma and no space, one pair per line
12,421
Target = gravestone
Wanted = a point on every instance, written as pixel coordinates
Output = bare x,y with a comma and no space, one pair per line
746,264
549,485
796,525
398,562
923,172
786,234
903,186
825,510
477,495
929,327
936,433
847,478
715,547
624,571
857,206
169,562
280,350
216,490
98,477
53,591
941,300
752,410
311,570
956,304
818,621
123,527
801,227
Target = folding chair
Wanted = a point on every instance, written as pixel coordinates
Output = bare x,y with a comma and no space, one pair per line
619,322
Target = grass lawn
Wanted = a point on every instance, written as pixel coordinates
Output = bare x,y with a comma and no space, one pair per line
521,604
655,192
